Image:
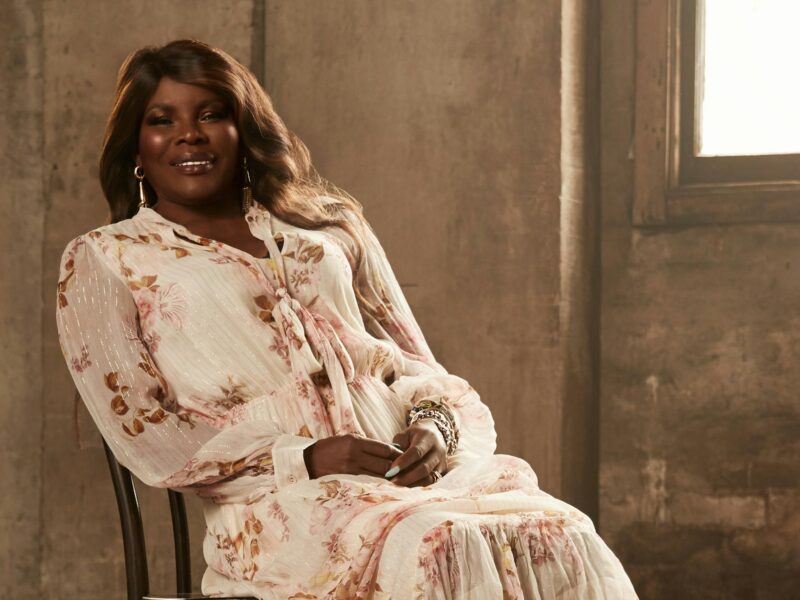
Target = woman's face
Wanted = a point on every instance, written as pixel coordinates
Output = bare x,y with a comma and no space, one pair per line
189,145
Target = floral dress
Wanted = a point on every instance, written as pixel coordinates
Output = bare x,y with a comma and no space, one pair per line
209,370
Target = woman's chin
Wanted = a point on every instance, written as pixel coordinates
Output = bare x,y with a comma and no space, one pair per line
197,198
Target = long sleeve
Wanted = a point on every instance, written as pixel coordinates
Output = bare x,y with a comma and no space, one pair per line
418,376
134,406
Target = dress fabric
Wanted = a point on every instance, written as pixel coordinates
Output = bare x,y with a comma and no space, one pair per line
209,370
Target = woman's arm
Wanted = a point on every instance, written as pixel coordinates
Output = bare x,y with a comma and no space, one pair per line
418,376
133,404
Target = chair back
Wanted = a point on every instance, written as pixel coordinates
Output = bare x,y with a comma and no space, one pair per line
130,517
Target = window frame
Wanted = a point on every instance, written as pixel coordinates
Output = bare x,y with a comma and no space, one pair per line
672,186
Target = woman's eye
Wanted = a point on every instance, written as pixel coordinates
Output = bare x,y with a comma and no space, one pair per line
158,120
213,116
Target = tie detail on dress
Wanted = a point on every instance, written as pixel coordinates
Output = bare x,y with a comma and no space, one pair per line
311,339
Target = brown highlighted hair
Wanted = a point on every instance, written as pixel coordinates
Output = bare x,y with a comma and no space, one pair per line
284,180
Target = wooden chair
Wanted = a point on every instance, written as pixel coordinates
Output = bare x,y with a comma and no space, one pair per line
133,539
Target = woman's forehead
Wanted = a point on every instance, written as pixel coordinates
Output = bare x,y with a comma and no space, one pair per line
171,94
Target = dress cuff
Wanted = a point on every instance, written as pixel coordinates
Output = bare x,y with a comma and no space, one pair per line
288,461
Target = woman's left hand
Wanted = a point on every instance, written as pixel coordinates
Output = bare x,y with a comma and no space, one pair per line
424,450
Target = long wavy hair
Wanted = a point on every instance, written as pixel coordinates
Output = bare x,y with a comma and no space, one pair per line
283,177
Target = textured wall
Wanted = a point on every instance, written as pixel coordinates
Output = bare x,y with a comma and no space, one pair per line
443,119
83,45
580,253
700,429
21,230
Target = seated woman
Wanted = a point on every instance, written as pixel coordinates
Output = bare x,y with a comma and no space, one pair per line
237,332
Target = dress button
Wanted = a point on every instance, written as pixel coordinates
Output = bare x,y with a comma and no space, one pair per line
292,479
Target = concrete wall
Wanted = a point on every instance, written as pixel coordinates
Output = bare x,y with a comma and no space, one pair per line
443,118
21,231
700,428
59,530
579,311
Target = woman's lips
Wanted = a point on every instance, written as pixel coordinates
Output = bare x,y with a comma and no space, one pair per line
195,167
194,163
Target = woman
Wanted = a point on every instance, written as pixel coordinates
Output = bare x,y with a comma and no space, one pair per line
236,331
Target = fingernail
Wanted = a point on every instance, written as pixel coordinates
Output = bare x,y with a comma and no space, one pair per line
392,472
396,445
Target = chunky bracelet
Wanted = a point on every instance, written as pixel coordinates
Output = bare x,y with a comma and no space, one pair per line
433,405
443,419
442,425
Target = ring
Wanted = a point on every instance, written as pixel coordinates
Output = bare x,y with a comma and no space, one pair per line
436,475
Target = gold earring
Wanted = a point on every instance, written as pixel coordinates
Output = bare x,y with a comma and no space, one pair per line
247,193
138,172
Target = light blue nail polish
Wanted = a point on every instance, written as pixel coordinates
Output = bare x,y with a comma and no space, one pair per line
392,472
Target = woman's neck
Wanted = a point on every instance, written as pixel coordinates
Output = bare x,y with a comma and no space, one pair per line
207,216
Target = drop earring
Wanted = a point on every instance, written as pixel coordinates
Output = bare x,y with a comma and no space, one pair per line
247,193
138,172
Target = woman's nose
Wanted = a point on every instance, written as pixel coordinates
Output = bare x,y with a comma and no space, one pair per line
191,134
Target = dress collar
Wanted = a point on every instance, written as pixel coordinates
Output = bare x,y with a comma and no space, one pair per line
259,219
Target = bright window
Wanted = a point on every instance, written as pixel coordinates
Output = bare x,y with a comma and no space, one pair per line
717,112
748,80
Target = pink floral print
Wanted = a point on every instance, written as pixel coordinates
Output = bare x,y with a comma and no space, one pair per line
82,362
210,371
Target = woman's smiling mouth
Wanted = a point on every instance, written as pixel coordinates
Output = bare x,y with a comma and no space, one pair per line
196,163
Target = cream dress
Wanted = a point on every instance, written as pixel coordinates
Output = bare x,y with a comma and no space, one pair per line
209,370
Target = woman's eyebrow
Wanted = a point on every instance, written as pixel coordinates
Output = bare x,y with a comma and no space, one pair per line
165,106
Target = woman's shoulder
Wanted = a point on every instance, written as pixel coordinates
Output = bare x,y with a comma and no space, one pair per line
107,230
126,229
98,243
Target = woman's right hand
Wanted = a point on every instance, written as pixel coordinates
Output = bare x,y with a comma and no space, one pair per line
351,454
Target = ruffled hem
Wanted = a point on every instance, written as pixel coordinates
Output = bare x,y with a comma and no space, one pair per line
531,556
485,530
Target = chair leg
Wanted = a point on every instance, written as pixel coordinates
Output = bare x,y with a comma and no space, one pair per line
132,532
180,535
